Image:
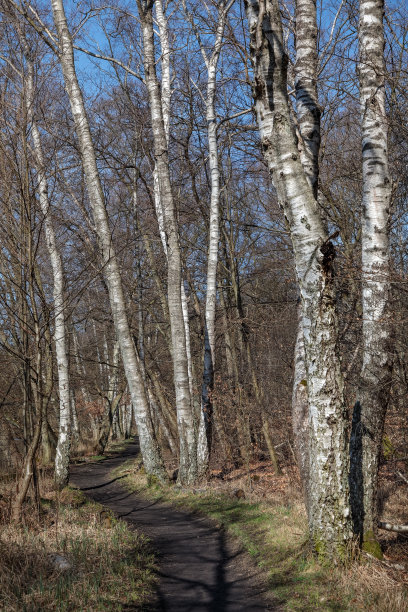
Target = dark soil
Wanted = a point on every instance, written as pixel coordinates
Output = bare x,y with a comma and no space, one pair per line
199,567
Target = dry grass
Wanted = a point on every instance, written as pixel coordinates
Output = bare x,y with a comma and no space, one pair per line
375,587
111,567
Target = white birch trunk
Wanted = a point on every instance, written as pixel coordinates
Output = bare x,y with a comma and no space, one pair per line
307,106
300,411
166,102
329,514
64,429
375,378
185,421
308,117
205,429
148,444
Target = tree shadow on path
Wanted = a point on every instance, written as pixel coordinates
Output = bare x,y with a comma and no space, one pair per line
200,569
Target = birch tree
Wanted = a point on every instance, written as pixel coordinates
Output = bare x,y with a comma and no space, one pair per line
165,98
60,336
375,376
314,252
211,63
308,119
148,443
188,472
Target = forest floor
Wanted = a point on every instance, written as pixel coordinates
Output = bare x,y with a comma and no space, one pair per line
200,568
265,516
238,542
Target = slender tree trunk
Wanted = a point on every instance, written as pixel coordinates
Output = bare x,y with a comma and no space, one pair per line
375,377
329,513
80,371
205,432
230,354
27,473
163,422
29,465
165,98
188,445
112,400
48,444
148,443
211,62
64,434
74,418
156,407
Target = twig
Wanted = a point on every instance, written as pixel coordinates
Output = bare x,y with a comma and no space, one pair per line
401,475
391,527
396,566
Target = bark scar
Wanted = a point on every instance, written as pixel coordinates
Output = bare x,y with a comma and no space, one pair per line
329,253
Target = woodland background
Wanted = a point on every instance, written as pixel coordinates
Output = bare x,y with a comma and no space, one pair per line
256,290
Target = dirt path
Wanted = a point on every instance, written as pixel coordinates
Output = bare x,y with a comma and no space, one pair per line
200,570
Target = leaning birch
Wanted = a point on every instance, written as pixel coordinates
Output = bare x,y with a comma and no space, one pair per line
185,421
148,444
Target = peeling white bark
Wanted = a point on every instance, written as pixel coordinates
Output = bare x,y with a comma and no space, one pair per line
166,103
307,106
329,514
300,410
308,118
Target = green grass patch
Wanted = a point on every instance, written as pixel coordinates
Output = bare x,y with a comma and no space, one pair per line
95,458
117,446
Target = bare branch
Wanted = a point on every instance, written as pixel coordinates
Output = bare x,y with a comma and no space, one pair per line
111,59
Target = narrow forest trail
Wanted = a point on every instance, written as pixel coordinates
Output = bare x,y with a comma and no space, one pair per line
199,568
